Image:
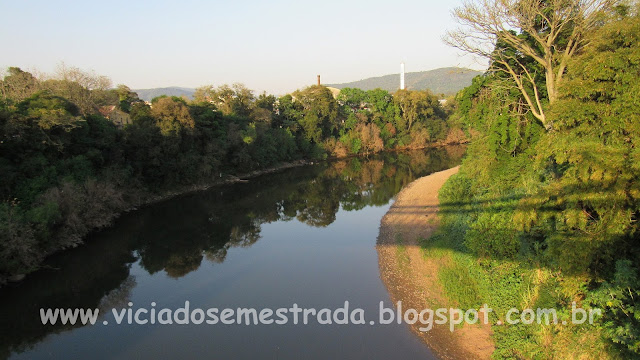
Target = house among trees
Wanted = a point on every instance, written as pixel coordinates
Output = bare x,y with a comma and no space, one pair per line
117,116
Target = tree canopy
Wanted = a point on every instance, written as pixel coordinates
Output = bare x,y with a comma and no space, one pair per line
509,32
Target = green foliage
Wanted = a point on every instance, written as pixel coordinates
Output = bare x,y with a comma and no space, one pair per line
352,98
548,218
18,85
126,98
49,111
172,115
621,321
320,112
492,234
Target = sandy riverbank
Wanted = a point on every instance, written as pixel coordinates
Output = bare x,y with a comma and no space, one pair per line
411,277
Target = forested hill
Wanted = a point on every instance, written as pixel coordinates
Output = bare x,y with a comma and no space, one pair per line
148,94
446,81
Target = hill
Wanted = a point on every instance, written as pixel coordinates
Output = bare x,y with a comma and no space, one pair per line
446,81
148,94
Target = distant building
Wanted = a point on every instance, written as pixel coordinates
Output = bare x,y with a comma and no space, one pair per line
335,92
117,116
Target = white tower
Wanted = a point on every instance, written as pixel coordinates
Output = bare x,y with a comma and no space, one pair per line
401,76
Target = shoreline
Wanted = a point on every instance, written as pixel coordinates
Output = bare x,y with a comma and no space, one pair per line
227,180
142,199
412,278
239,178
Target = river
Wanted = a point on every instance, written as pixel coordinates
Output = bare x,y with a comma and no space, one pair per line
302,236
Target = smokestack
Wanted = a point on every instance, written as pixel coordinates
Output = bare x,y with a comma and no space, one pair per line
401,76
318,80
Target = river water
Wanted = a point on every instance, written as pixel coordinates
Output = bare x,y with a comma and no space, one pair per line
302,236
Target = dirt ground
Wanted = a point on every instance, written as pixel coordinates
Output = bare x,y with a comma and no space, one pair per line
411,277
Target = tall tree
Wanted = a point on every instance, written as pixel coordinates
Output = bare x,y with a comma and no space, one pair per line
18,85
352,97
550,32
126,97
236,99
203,94
80,87
416,106
172,115
320,114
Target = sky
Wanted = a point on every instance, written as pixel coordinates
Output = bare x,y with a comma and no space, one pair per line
275,46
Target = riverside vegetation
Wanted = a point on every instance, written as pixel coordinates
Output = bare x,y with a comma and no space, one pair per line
544,210
67,169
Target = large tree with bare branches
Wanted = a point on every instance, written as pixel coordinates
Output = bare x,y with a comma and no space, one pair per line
511,32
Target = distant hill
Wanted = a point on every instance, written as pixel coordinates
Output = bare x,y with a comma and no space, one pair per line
148,94
446,81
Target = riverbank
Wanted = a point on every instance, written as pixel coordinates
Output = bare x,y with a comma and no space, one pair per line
412,278
137,198
226,180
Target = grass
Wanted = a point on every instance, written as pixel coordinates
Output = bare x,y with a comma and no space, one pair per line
469,282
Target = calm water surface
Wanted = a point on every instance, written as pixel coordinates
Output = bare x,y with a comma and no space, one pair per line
304,236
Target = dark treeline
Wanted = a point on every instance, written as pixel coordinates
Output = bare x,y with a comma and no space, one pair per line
544,211
74,152
216,221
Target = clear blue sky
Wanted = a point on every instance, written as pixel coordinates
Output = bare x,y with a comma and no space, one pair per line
277,46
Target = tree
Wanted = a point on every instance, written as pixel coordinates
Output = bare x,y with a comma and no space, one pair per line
87,79
593,152
416,106
18,85
243,99
203,94
126,98
264,108
353,98
288,113
80,87
320,114
381,103
550,32
50,111
370,139
236,99
172,115
267,102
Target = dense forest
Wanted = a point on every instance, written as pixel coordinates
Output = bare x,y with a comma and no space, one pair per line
75,152
544,210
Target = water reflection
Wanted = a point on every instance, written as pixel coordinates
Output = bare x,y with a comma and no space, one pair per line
176,236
